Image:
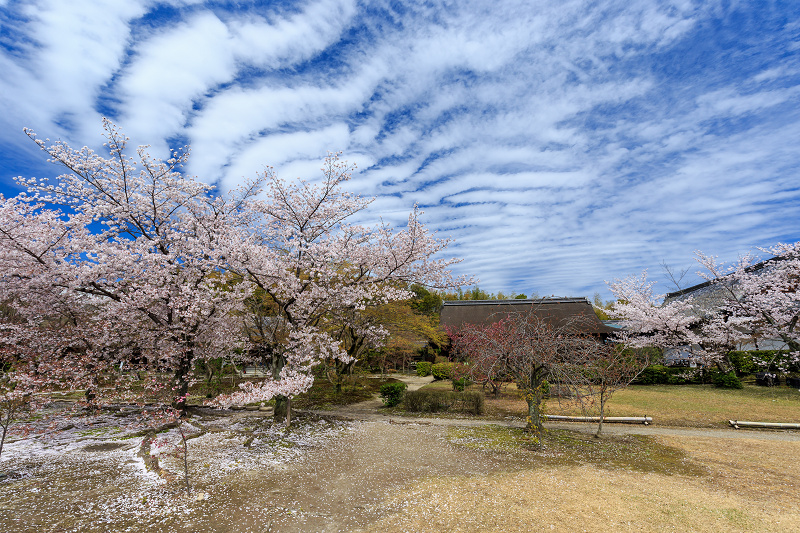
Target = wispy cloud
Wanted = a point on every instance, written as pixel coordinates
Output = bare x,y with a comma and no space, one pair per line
560,144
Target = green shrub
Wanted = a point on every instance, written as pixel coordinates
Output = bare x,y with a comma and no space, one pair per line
392,393
753,361
461,383
654,375
442,371
684,376
672,375
727,381
742,363
431,401
424,368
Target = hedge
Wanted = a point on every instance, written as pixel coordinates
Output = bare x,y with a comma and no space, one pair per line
754,361
424,368
442,371
431,401
666,375
392,393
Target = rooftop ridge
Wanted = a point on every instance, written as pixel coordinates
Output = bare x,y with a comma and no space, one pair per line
532,301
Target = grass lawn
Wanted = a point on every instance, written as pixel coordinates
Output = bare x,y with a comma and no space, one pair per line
699,405
669,405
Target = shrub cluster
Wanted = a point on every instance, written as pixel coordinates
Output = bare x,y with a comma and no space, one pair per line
392,393
761,360
442,371
461,383
666,375
727,381
431,401
742,363
424,368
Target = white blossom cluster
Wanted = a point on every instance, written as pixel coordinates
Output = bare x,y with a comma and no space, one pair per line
748,304
126,267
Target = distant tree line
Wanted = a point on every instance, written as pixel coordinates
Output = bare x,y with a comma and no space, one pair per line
476,293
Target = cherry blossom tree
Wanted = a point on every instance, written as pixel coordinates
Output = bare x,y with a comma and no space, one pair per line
17,397
315,266
648,321
759,300
162,271
33,361
747,302
134,241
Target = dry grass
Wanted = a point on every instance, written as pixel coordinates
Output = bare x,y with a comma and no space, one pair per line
700,405
686,405
748,488
564,448
765,471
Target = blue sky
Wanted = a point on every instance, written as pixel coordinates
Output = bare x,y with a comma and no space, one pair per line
559,143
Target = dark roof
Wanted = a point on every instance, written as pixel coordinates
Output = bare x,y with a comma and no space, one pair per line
557,311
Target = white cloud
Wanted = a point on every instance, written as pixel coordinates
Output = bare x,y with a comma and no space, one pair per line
560,144
71,50
279,151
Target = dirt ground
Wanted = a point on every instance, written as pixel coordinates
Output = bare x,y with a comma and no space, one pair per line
384,474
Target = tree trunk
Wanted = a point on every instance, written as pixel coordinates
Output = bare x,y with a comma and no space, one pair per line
181,384
282,409
6,423
90,397
603,400
534,420
185,461
337,373
534,398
